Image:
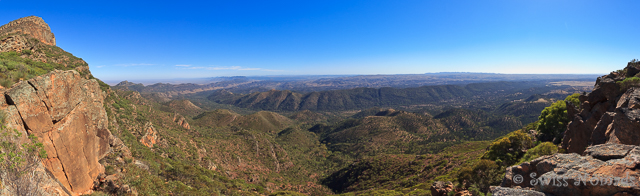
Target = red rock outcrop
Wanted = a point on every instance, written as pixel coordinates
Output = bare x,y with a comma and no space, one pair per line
65,112
608,114
181,121
31,25
150,137
605,130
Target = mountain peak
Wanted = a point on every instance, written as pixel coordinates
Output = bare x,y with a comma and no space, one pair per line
31,25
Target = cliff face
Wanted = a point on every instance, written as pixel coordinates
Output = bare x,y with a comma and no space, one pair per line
608,114
603,156
31,25
65,112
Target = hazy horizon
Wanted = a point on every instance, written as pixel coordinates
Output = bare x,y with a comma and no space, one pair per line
206,80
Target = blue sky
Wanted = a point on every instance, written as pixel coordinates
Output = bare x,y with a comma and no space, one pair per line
191,39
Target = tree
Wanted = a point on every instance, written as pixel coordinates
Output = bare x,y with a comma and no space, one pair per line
553,122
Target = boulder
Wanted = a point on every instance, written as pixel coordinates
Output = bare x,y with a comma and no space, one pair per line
505,191
440,188
606,169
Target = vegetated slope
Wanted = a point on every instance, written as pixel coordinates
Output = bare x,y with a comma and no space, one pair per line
223,153
184,107
477,124
362,98
155,156
397,132
389,131
263,120
306,116
527,110
403,173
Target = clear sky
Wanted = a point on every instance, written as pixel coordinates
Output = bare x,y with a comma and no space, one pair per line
191,39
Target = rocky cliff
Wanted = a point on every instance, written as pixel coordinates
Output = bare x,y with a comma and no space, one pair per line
601,141
609,114
65,112
31,25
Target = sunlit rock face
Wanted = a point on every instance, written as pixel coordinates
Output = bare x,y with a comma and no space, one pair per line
609,114
31,25
65,111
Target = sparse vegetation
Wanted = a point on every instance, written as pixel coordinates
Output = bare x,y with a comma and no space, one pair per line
14,68
19,161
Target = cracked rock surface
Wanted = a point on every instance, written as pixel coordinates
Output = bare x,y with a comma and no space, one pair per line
65,112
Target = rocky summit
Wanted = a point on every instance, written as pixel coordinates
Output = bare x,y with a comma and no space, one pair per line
11,34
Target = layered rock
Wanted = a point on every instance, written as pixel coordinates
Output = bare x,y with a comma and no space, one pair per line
608,114
31,25
65,112
605,169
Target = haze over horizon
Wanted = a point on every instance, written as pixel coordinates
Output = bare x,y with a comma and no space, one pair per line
162,40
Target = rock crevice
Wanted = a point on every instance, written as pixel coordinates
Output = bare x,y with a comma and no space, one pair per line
608,114
65,112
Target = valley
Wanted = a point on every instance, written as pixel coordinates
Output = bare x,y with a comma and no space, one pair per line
414,134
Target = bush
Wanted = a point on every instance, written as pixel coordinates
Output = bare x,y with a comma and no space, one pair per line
553,122
507,150
546,148
27,52
628,83
482,175
574,99
6,82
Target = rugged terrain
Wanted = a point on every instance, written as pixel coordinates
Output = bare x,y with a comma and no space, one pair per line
601,143
71,134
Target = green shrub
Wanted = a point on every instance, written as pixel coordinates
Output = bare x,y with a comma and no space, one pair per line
628,83
574,99
553,122
507,150
546,148
6,82
482,175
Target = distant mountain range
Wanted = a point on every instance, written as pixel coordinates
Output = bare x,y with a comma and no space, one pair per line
305,84
362,98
